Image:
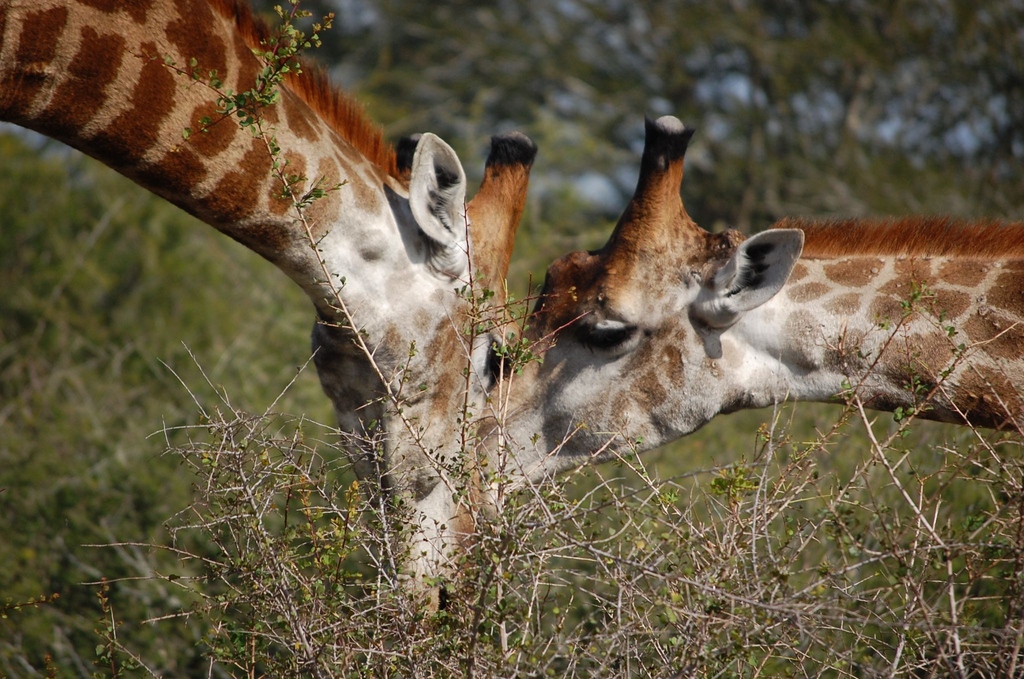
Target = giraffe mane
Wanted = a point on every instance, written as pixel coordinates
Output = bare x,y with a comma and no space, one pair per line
337,108
908,236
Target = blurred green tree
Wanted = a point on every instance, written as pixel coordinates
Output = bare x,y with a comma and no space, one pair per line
822,108
107,292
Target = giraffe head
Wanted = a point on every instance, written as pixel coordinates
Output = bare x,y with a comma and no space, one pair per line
385,249
417,286
630,330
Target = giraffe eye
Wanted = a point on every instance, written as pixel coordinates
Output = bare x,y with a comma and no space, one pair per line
606,334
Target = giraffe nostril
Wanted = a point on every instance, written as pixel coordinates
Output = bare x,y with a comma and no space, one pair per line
497,361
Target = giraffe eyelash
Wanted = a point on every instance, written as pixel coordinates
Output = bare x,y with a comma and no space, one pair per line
606,334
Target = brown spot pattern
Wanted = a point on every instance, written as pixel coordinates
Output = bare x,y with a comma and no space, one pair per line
1008,293
621,406
650,395
295,167
174,176
885,308
897,287
800,323
950,304
366,198
37,47
134,131
997,335
237,194
93,67
989,398
966,273
136,8
217,137
912,376
322,212
422,318
192,33
799,272
568,291
394,344
851,272
328,172
463,524
106,6
673,361
845,305
447,385
301,120
272,115
807,292
931,353
912,269
803,327
247,67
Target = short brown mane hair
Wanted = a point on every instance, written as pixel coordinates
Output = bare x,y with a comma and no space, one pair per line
908,236
313,86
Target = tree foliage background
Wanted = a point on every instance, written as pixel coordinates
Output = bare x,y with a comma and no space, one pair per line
114,302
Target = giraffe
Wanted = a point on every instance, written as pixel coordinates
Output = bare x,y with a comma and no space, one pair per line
668,325
383,257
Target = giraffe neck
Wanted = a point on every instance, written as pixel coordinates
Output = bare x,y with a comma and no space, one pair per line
937,336
123,81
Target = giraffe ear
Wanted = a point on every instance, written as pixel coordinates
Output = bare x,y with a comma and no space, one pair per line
437,198
757,270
